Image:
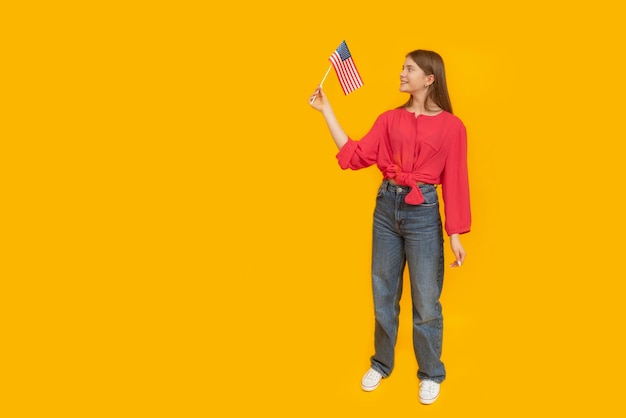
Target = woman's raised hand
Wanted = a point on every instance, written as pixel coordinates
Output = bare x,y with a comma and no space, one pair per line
318,99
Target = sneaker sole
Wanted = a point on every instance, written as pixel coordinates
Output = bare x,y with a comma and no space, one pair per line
370,388
429,401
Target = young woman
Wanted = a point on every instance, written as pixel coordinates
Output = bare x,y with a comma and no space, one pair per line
416,146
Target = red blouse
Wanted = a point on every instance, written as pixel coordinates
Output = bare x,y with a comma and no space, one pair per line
408,149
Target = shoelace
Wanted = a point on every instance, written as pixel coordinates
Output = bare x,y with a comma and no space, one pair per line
372,374
429,387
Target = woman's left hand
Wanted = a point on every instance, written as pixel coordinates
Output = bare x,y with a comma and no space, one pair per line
457,250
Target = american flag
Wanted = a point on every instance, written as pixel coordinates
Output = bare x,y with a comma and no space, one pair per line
348,75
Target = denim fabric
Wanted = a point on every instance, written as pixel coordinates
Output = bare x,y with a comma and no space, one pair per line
408,234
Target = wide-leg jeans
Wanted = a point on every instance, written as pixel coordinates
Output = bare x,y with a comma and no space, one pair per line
408,234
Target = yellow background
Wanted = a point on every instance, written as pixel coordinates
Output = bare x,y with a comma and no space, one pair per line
178,239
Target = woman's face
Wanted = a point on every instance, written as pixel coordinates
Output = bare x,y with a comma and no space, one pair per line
412,77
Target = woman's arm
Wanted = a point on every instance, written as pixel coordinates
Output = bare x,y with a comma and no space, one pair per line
319,102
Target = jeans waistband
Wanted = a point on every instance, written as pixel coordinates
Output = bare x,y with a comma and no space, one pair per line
403,189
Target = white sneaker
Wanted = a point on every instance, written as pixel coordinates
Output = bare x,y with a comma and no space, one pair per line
429,391
371,380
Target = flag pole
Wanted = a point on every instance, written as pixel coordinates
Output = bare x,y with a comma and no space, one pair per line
325,75
321,82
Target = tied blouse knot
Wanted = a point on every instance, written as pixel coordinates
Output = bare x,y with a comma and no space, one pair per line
415,196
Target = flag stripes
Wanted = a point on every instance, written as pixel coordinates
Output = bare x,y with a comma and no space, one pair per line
346,70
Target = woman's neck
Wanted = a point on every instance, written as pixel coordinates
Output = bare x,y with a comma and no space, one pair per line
422,105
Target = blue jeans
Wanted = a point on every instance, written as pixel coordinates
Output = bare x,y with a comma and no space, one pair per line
408,234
